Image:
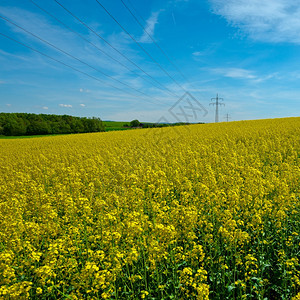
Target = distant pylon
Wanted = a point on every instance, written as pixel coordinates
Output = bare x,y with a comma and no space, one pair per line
217,103
227,116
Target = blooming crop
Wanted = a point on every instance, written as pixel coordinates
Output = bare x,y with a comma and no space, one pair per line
194,212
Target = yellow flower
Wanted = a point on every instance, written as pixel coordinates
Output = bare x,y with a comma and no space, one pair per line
167,210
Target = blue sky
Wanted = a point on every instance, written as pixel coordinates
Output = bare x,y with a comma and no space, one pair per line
247,51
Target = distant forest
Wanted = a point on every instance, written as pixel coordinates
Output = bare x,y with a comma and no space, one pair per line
32,124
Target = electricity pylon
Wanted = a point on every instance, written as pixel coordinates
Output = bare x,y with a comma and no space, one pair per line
217,103
227,117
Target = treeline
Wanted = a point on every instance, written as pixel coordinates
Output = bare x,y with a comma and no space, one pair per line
138,124
38,124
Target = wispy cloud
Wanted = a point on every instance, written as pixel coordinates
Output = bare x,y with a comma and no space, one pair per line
243,74
198,53
150,27
267,77
84,90
65,105
37,24
47,29
173,18
235,73
267,21
82,105
45,107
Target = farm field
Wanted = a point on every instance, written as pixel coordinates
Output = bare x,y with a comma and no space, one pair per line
207,211
112,125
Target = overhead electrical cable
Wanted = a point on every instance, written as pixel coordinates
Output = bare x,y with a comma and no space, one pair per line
70,67
91,43
60,62
104,40
140,46
150,36
73,57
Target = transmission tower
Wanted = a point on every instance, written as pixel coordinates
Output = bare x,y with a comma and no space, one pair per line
217,103
227,117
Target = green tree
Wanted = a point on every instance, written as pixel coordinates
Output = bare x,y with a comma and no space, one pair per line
14,126
135,123
38,127
30,124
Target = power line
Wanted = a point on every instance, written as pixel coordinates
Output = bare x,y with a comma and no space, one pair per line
70,55
82,37
140,46
104,40
165,54
66,65
149,35
217,103
60,62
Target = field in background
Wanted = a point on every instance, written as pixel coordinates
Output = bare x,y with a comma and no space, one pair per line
112,125
191,212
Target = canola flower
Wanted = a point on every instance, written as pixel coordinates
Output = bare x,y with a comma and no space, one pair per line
194,212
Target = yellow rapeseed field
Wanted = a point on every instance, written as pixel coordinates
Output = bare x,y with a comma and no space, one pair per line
194,212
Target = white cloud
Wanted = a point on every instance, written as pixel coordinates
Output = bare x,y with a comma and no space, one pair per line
150,27
65,105
45,107
267,21
36,23
9,105
267,77
173,18
239,73
198,53
235,73
84,90
44,27
50,31
81,104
